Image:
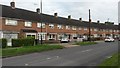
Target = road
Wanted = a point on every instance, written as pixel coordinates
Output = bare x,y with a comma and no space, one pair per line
75,56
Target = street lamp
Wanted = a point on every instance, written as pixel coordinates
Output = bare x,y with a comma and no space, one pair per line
41,19
40,12
89,26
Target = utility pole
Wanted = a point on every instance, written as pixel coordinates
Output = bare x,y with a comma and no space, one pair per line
89,26
41,20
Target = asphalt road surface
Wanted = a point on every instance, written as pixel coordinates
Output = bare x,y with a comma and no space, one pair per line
75,56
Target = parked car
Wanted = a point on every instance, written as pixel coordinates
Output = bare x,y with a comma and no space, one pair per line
109,39
64,40
118,39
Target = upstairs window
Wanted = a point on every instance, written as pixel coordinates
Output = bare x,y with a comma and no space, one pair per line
95,30
10,22
111,30
85,28
74,28
39,25
117,30
59,27
51,26
68,27
28,24
80,28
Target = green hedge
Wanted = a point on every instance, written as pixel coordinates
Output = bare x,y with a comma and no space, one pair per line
3,43
22,42
96,39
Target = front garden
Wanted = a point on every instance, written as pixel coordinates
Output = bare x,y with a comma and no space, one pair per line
112,61
24,46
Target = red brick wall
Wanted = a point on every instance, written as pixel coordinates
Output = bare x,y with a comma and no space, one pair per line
48,29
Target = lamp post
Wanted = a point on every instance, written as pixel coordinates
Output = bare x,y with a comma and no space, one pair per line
41,20
89,27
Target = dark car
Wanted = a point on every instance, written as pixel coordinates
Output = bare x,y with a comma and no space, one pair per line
119,39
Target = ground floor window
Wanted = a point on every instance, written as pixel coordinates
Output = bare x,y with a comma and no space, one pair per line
51,37
1,35
43,36
31,35
74,36
9,38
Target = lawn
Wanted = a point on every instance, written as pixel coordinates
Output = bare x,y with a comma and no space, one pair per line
8,52
113,61
85,43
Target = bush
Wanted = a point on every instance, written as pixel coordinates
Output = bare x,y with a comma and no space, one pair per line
23,42
16,42
28,42
95,39
3,43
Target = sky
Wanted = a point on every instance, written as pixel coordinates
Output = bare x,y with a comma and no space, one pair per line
103,10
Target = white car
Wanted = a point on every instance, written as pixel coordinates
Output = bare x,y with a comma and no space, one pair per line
64,40
109,39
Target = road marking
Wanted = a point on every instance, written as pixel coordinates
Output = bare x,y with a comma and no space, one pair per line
26,64
57,56
109,57
87,50
48,58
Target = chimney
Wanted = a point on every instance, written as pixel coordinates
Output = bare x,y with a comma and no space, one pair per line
55,14
69,17
80,19
12,4
98,21
38,10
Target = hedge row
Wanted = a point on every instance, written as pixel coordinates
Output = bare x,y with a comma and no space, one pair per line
22,42
3,43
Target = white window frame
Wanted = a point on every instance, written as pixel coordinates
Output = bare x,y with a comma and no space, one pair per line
11,22
43,36
67,27
85,28
28,24
51,26
74,28
39,25
95,29
80,28
1,34
59,26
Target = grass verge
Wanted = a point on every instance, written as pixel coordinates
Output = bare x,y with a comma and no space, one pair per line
8,52
113,61
85,43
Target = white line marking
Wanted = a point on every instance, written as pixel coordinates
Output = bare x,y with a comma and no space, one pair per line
26,64
87,50
57,56
109,57
48,58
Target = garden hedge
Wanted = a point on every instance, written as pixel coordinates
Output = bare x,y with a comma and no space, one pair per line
3,43
23,42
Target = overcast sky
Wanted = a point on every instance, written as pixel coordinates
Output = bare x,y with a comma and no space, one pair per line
100,9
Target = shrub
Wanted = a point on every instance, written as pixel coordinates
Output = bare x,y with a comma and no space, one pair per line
3,43
16,42
28,41
23,42
95,39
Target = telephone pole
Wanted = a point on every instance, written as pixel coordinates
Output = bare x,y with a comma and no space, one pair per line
41,20
89,26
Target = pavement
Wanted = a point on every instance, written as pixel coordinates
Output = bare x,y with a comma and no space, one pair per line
74,56
71,44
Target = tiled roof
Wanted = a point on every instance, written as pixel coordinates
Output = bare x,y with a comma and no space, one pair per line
18,13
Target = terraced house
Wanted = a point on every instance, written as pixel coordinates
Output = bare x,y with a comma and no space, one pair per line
19,23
